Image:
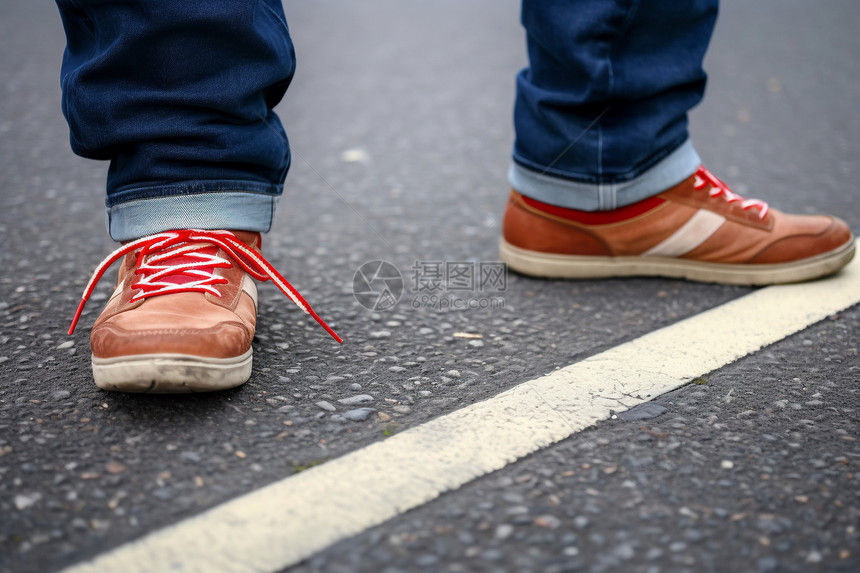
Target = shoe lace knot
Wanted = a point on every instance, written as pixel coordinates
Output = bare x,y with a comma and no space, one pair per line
705,178
186,261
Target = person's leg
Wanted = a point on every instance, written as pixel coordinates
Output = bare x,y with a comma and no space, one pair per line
601,111
179,96
605,180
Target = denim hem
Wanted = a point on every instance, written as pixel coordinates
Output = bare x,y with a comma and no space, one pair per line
240,210
668,172
123,195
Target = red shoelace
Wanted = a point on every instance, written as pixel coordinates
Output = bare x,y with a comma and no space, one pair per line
718,188
185,261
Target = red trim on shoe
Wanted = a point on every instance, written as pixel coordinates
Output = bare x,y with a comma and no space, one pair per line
597,217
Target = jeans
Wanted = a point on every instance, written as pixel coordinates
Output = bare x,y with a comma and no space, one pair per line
179,96
601,111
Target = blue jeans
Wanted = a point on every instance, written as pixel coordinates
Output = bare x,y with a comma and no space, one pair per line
179,96
601,111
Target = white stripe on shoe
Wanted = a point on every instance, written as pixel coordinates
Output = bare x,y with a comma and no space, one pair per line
250,288
693,233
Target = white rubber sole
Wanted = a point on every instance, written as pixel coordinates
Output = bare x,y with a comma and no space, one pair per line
549,265
171,373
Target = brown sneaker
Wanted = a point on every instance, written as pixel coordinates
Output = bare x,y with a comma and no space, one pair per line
697,230
183,314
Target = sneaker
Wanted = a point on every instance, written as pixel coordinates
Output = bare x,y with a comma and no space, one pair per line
183,314
697,230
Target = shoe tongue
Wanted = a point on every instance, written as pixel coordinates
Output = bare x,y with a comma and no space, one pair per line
250,238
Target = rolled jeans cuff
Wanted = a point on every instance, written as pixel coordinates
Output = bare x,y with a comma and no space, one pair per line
668,172
238,210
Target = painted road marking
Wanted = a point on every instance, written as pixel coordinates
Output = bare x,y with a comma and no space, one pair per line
290,520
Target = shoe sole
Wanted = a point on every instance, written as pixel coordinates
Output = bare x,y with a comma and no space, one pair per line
170,373
549,265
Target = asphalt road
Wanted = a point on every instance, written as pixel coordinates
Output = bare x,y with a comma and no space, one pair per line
400,122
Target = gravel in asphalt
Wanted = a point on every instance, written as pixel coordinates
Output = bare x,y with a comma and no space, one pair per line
401,144
752,468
